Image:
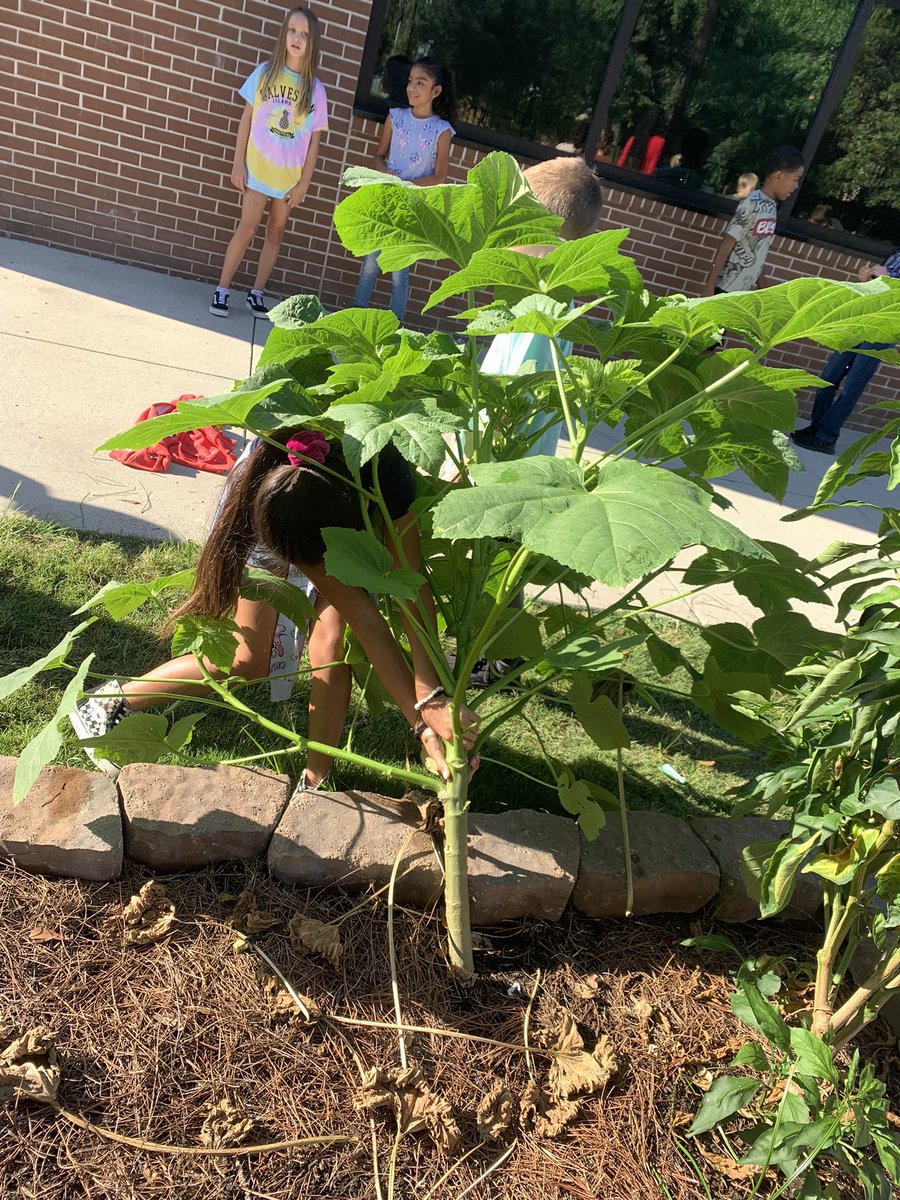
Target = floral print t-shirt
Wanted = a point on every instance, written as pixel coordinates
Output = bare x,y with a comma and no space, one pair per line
414,140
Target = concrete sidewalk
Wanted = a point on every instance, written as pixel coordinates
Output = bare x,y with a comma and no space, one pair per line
87,344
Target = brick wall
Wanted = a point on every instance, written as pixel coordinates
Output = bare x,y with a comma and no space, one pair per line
117,127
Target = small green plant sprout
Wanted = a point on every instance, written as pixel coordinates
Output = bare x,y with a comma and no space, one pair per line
496,521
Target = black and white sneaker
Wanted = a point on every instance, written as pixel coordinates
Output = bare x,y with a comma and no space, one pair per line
100,710
256,303
219,306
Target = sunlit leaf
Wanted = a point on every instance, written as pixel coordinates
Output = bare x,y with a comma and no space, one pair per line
44,746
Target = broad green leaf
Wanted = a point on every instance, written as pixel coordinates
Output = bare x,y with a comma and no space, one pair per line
534,314
766,1017
230,409
598,717
751,1054
287,599
357,558
416,427
144,738
727,1094
575,797
588,266
122,599
634,519
52,659
888,880
834,314
839,473
590,652
296,312
446,221
214,638
758,396
712,941
883,797
44,746
713,690
518,636
774,645
840,677
814,1058
776,885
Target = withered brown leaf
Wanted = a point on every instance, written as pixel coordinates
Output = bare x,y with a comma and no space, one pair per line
494,1115
146,918
306,933
573,1070
544,1115
415,1106
223,1127
247,917
29,1066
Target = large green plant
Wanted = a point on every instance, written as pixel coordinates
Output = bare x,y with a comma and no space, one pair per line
682,417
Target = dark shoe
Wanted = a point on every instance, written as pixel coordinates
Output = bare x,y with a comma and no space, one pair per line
809,441
256,303
804,432
219,306
487,671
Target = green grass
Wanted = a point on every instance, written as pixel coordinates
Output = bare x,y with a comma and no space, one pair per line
46,572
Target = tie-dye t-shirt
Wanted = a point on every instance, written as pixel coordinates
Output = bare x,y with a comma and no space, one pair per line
414,140
278,142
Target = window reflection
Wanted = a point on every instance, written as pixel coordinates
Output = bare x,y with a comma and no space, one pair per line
709,87
854,181
530,68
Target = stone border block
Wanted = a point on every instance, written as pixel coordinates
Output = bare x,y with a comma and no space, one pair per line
181,818
672,870
68,824
351,840
522,863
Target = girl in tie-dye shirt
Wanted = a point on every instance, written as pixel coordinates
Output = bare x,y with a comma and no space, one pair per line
276,151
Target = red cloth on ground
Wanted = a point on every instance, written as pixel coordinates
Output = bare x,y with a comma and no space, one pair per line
206,449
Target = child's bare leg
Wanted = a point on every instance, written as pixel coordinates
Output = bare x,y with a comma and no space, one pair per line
329,689
279,211
181,676
252,208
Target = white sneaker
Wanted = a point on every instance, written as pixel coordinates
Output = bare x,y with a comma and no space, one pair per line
100,710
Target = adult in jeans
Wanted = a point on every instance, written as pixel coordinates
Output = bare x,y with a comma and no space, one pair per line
847,374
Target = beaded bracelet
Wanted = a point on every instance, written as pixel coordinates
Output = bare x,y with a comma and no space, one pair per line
420,704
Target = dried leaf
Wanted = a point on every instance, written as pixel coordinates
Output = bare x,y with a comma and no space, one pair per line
40,934
643,1010
317,937
415,1106
282,1004
586,987
223,1127
573,1070
29,1066
728,1167
248,918
146,918
545,1116
494,1115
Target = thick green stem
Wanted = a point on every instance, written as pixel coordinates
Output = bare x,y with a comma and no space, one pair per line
427,782
563,398
454,797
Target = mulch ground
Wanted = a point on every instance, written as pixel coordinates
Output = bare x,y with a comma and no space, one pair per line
152,1038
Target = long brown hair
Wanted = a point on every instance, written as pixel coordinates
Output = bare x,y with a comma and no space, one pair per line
310,65
280,506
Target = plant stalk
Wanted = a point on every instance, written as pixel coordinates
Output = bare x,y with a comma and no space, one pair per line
454,797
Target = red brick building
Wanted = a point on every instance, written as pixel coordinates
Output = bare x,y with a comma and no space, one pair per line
117,126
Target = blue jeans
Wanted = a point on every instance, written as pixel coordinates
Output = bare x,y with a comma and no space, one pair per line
831,410
399,286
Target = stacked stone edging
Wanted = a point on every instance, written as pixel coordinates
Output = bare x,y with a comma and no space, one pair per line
522,863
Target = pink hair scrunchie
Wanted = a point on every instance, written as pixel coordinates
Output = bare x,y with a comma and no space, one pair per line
307,444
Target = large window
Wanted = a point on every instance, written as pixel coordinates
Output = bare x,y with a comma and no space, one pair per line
530,68
678,98
854,180
709,87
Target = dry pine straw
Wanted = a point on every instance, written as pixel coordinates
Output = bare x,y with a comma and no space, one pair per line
151,1038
